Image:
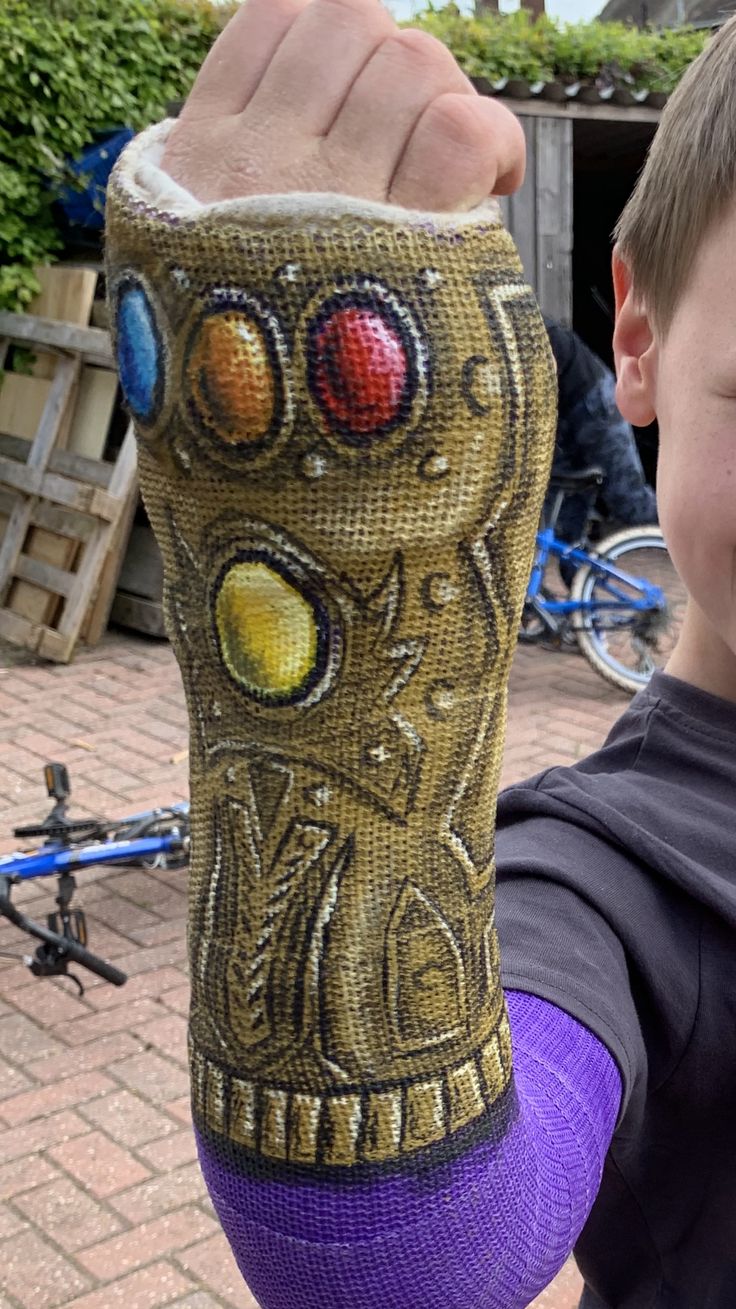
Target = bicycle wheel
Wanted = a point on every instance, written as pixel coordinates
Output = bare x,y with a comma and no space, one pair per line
626,645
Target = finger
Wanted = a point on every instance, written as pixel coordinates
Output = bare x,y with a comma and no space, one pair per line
462,150
234,67
387,100
318,61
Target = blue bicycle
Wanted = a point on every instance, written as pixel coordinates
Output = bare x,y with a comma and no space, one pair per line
158,838
625,605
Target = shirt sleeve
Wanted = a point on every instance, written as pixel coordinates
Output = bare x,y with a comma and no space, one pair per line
558,944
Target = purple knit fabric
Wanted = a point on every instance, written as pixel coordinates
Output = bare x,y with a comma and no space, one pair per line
487,1230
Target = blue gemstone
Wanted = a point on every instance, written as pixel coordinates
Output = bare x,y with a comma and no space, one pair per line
139,352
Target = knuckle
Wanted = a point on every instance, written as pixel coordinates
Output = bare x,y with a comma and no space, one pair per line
456,118
423,46
367,13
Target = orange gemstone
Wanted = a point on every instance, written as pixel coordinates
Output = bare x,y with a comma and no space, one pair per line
231,377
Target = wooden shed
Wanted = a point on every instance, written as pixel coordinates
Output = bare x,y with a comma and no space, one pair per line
582,162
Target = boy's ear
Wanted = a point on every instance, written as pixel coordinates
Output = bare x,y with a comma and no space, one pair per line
634,350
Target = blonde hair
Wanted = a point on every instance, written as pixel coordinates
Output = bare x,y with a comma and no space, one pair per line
688,180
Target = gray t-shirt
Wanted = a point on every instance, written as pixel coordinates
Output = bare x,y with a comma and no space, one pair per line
617,902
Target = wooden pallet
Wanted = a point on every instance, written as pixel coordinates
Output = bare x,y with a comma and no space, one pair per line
66,514
67,294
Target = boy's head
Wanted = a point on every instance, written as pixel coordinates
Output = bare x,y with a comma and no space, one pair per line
675,339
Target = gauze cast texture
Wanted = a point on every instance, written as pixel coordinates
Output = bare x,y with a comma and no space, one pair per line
345,417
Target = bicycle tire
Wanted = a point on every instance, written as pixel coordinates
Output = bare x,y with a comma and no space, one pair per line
593,644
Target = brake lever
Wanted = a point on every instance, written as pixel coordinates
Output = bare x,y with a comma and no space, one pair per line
47,962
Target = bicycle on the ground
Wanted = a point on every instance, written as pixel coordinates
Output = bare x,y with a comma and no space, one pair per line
625,605
157,838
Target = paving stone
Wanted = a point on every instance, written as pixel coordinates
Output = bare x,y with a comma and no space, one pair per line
10,1223
22,1174
47,1099
111,1020
13,1081
99,1164
171,1152
128,1118
161,1194
564,1293
104,1053
200,1300
157,1079
67,1215
150,1288
90,1178
36,1274
151,984
212,1262
23,1041
168,1034
57,1129
149,1241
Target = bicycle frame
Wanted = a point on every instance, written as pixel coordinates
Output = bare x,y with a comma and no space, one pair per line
650,597
56,857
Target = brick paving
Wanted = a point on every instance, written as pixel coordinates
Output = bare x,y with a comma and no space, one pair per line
101,1201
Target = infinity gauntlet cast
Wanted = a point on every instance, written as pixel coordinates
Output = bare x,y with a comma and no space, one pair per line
345,416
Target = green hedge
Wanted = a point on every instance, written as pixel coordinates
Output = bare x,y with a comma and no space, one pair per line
514,45
71,68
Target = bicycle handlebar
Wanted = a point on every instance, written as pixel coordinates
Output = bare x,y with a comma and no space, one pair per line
64,946
78,954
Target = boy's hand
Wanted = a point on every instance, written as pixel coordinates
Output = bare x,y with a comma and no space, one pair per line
330,95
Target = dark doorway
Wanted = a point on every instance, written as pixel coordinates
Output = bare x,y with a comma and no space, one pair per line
608,156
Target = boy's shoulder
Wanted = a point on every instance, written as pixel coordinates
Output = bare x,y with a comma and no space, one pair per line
660,791
607,870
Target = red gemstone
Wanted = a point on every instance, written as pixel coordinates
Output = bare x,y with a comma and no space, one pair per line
360,370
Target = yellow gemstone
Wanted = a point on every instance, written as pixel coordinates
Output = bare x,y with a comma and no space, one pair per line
268,630
231,378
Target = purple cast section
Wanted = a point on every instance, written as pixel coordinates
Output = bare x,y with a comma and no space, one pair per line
487,1230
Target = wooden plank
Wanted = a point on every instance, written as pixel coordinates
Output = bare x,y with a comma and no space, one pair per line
98,613
522,209
145,616
19,630
62,522
91,343
34,636
45,575
38,456
93,559
142,571
59,490
98,388
61,461
66,296
22,402
574,110
554,219
4,512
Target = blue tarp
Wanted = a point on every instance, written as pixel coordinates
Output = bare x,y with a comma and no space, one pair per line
86,208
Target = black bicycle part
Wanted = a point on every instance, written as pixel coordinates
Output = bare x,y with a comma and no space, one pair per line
56,827
57,951
56,778
585,480
56,831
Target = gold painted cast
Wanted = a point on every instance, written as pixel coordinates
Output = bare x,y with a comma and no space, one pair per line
345,430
